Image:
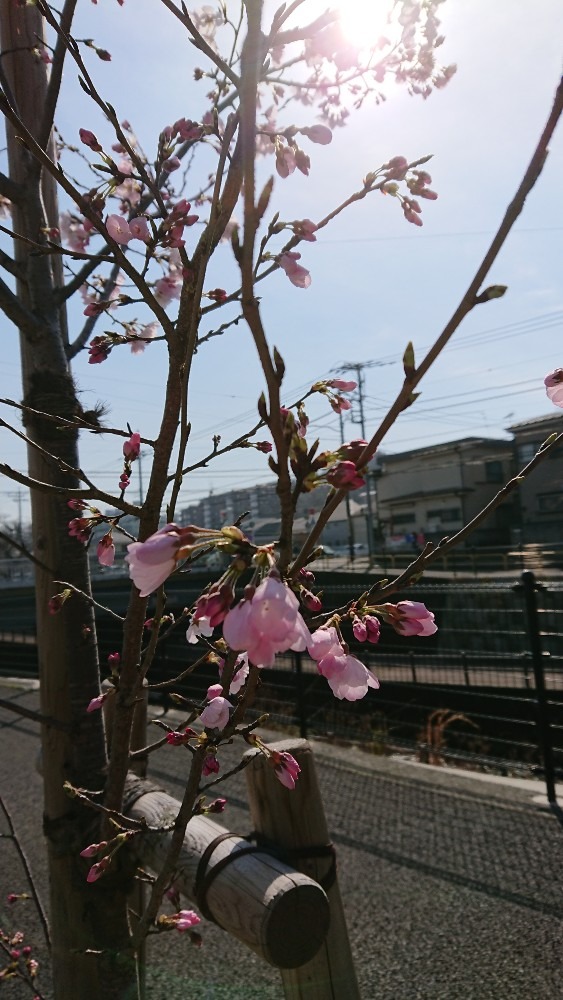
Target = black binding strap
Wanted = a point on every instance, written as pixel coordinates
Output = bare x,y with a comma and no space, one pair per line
205,877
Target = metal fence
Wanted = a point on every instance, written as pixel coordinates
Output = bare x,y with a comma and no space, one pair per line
486,691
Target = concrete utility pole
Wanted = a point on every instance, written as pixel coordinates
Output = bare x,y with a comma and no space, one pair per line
347,502
358,368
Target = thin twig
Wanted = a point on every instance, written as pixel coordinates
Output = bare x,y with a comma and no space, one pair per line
468,301
27,870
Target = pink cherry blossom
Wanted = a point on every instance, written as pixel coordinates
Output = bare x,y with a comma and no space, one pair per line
185,919
352,681
129,191
142,336
139,229
342,385
198,628
74,232
118,229
106,550
554,386
132,447
286,768
411,618
298,275
216,713
214,605
285,161
266,624
305,229
240,674
348,678
151,562
169,287
344,475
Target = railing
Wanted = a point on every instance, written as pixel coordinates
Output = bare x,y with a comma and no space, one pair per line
486,691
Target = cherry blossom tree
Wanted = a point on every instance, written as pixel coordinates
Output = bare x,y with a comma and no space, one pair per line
113,225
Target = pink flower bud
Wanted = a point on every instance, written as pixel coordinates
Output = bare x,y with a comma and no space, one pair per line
89,139
171,164
311,601
106,550
286,768
344,475
97,870
320,134
210,765
132,447
217,806
359,629
93,849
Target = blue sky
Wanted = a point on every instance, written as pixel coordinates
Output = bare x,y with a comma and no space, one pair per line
376,280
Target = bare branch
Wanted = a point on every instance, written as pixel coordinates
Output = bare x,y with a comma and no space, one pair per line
77,421
24,551
16,312
54,85
9,189
70,493
89,599
91,321
27,870
11,265
468,302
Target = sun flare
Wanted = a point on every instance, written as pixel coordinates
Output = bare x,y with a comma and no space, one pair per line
364,21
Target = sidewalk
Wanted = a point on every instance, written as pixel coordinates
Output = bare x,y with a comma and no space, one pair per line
452,881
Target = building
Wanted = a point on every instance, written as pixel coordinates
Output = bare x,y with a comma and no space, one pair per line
263,524
427,493
540,495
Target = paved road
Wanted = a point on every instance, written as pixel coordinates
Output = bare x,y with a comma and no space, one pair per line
452,884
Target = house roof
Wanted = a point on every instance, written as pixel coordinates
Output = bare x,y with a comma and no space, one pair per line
448,446
549,419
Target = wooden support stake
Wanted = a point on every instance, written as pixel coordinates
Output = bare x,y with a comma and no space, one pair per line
278,912
295,821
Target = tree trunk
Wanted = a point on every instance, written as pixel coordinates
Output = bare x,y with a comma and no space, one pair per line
83,916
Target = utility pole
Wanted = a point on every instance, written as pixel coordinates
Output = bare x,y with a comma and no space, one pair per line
347,501
358,368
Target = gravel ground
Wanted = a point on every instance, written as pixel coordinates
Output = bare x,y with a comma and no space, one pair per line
452,885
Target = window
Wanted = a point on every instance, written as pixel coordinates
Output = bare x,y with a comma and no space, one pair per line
407,518
493,472
527,451
550,503
444,514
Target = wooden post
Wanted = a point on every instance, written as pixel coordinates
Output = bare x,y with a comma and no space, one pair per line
278,912
295,821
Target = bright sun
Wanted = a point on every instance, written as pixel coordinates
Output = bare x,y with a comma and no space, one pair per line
364,21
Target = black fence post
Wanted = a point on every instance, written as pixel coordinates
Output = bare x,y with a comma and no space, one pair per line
530,588
300,695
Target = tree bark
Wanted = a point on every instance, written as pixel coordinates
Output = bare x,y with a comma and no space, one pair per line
83,916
